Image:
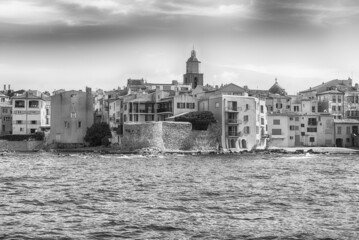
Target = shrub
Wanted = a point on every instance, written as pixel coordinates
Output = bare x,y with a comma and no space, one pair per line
96,133
199,120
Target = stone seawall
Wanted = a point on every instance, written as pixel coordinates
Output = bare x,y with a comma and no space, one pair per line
20,145
167,136
176,134
142,135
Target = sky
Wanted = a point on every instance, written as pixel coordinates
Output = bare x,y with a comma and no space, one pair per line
70,44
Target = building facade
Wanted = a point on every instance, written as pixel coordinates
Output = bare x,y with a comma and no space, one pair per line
71,115
29,113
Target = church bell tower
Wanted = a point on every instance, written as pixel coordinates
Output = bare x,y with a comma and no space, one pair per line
193,76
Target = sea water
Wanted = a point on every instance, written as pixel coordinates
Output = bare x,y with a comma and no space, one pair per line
49,196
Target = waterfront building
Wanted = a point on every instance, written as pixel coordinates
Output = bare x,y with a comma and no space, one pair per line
140,85
300,129
71,115
29,112
346,132
242,120
5,119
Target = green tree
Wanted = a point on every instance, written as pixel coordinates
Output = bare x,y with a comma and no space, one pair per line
97,133
199,120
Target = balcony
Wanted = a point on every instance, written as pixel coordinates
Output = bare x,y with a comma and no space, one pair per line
232,109
233,134
233,121
162,110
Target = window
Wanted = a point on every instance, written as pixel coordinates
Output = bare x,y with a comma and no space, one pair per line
291,119
178,105
136,118
47,111
217,104
130,117
311,129
262,121
311,139
276,131
79,124
19,104
245,118
73,115
296,128
339,108
246,130
4,110
276,121
33,130
334,108
288,106
339,99
21,129
18,122
291,137
302,133
339,130
348,140
312,121
7,119
313,109
296,119
296,108
292,128
348,130
47,121
247,106
262,109
334,99
33,122
33,104
302,125
67,124
190,105
3,100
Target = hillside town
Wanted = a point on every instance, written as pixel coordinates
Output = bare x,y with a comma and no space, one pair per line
325,115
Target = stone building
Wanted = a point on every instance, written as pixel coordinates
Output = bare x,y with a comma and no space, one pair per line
71,115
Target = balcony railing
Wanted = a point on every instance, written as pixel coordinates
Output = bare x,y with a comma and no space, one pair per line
233,108
161,110
233,134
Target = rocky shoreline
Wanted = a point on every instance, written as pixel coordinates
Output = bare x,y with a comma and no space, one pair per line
157,151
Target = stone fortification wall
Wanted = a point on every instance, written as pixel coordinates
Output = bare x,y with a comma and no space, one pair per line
176,134
168,136
20,145
142,135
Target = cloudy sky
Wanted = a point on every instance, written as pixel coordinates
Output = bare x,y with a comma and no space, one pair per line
70,44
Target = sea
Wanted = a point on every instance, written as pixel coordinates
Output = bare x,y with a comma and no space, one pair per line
246,196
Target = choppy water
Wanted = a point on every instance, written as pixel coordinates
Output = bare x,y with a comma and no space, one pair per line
44,196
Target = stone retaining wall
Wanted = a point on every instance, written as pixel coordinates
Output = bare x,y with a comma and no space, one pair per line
167,136
175,134
142,135
20,145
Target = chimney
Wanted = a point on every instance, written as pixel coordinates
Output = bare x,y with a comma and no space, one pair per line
4,87
356,86
245,87
8,87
